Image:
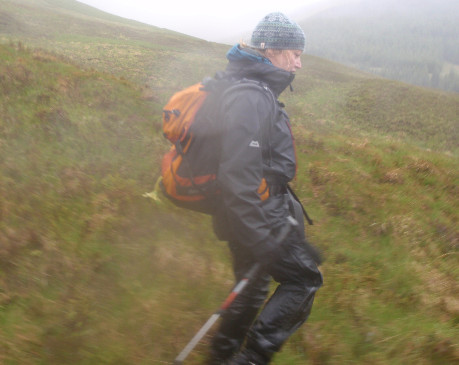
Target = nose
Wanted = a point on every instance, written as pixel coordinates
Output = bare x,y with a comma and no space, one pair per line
298,63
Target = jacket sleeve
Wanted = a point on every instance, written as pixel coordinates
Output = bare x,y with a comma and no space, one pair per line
244,113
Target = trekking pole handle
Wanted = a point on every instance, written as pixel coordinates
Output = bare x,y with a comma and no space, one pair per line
253,270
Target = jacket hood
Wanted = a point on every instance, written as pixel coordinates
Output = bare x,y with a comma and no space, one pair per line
247,63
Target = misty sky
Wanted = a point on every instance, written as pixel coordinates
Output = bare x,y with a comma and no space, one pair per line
207,19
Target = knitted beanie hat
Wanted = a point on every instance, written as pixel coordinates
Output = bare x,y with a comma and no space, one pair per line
277,31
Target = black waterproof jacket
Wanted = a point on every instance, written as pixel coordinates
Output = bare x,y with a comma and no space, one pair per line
257,148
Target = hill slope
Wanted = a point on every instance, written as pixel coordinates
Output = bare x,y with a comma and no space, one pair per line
152,56
92,272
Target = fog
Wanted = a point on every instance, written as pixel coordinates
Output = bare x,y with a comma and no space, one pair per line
209,20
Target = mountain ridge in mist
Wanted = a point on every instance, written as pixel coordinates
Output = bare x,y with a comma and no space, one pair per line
412,41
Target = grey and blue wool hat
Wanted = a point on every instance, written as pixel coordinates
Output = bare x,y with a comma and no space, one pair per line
277,31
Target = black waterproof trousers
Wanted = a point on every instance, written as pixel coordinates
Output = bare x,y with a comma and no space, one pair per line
287,309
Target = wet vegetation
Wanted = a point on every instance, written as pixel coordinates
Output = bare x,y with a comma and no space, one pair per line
92,272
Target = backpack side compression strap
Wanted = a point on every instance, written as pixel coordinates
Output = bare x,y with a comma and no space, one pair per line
310,221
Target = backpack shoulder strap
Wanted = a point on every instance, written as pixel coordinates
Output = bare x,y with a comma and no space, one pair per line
257,86
252,84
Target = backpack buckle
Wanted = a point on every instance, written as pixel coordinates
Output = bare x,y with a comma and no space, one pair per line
167,114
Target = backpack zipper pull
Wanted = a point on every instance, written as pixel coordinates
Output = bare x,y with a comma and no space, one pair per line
167,113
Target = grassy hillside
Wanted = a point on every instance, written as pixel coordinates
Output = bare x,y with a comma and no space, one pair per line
154,57
93,273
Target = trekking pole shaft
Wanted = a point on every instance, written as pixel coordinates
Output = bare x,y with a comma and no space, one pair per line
195,340
239,287
210,322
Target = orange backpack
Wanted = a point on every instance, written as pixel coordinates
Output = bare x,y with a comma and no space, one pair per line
190,122
189,168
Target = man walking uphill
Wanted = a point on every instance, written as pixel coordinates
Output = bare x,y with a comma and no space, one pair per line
254,207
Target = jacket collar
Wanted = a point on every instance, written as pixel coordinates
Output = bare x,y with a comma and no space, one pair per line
247,63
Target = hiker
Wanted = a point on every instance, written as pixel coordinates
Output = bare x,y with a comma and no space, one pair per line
257,161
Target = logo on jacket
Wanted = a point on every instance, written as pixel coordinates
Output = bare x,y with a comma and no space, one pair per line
254,144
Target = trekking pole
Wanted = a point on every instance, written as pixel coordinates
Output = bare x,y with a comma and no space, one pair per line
210,322
234,293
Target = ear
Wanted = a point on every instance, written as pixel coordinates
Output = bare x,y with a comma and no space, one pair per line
269,53
272,53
